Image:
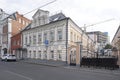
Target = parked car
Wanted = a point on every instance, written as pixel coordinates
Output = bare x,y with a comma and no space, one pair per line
8,57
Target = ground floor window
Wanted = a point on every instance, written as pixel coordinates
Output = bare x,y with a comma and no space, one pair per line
29,54
59,53
34,54
45,54
52,54
39,54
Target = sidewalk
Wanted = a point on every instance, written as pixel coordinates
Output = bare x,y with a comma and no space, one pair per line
46,62
62,64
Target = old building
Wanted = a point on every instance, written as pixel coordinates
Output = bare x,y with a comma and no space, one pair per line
55,37
11,25
116,45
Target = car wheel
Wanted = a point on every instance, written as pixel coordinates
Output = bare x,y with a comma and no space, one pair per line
6,59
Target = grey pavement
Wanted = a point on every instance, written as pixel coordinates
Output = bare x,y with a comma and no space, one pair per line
23,71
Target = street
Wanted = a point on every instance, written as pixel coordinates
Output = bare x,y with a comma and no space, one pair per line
25,71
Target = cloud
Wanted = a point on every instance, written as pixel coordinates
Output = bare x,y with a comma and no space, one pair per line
81,11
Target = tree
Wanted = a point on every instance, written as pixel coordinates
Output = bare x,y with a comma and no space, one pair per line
108,46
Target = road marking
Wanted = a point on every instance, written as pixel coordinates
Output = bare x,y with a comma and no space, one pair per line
28,78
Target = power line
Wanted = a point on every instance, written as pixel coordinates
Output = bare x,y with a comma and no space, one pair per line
85,26
40,7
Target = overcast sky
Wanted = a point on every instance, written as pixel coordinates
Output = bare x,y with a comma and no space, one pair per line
80,11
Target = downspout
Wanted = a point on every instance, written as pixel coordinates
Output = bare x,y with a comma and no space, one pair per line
66,39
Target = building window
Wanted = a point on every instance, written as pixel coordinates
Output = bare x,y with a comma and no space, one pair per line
34,54
52,54
45,54
77,38
20,20
51,36
39,54
18,42
59,54
59,34
35,22
29,54
45,36
26,40
74,37
30,41
34,39
39,39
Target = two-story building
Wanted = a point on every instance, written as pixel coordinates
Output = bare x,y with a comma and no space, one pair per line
55,37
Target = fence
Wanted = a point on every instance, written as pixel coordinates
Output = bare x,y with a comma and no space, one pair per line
107,63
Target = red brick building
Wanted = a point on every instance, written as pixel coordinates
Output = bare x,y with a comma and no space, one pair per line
16,46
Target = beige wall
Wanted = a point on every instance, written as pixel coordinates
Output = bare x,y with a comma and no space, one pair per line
76,35
77,47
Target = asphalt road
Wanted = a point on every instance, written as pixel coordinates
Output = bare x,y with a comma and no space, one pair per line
25,71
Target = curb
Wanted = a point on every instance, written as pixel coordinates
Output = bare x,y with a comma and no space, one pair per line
42,64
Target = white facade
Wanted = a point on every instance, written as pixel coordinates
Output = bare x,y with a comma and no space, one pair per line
45,40
34,41
51,39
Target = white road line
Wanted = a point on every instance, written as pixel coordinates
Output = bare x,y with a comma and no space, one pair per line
13,73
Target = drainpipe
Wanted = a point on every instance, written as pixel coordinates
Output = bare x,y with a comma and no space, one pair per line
66,38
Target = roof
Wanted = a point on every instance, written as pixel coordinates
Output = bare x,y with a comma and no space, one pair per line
53,18
27,27
56,17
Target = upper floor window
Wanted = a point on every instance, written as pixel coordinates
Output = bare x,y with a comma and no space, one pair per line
20,20
39,38
25,40
59,35
34,39
74,37
18,42
14,43
45,36
51,36
30,41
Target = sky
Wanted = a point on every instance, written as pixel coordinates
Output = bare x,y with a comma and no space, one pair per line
82,12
